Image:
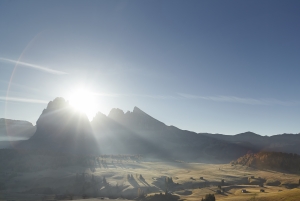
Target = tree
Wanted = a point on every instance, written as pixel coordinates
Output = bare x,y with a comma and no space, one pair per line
169,180
140,193
104,180
209,197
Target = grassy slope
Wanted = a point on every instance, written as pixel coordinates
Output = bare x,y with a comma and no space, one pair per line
63,178
269,195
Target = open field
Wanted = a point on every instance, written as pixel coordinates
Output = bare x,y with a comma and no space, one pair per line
79,180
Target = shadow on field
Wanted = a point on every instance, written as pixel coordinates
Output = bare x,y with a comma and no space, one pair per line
133,183
144,182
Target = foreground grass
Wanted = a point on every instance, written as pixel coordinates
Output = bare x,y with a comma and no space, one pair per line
271,194
287,195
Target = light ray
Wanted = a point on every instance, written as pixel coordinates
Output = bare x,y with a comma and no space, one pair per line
23,100
41,68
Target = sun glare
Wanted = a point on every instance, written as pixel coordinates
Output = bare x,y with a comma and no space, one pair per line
83,100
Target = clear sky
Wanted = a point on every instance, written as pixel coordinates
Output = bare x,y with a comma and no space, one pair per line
205,66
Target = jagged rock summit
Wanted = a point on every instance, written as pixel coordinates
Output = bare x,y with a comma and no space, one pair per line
136,120
116,113
59,118
61,128
137,110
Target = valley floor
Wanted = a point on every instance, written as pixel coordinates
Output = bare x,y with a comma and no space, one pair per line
49,184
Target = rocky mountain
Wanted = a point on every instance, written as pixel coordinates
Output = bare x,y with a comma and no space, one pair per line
137,120
288,143
15,129
143,134
60,128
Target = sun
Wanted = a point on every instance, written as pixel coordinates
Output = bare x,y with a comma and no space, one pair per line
83,101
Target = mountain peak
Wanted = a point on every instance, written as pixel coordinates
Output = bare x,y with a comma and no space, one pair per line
57,103
248,133
116,113
137,110
99,115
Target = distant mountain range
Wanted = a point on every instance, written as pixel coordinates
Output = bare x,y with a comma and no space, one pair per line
16,129
288,143
61,129
11,131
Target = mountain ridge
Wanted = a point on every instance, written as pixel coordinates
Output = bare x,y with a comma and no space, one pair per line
60,127
10,128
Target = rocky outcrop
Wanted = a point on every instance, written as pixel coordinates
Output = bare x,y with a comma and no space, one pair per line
278,161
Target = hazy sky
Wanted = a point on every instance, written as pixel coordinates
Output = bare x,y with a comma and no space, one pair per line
206,66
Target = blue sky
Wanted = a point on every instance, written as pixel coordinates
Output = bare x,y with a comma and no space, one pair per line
206,66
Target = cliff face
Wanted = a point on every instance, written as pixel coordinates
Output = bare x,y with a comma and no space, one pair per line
61,128
60,120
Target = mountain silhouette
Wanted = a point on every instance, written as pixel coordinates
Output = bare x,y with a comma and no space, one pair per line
13,131
136,120
16,129
143,134
61,128
288,143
